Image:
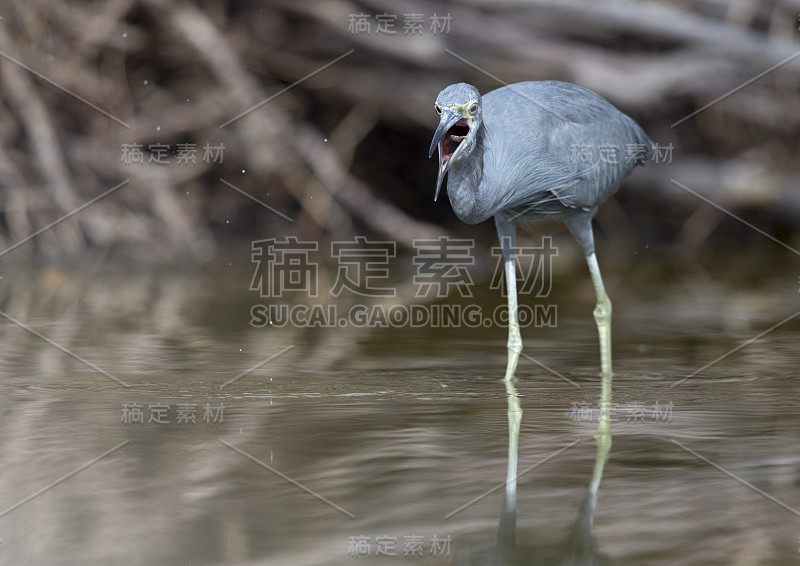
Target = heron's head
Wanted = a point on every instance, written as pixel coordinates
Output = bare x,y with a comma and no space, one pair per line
459,106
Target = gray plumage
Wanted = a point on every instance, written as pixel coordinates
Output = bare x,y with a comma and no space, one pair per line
531,151
526,154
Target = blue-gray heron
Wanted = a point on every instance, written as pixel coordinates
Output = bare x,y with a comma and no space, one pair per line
533,151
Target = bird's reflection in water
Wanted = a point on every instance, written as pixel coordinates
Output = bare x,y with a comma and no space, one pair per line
578,548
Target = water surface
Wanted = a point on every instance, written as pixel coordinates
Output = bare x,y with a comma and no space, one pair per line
365,439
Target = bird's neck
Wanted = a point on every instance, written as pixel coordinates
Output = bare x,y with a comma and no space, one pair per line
464,179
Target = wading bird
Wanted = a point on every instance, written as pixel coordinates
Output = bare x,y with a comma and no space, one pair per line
534,151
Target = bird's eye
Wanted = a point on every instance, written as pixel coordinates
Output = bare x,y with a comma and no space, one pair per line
438,109
473,108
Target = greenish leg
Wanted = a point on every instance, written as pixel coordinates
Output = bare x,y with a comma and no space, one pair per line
602,316
507,233
603,434
514,337
514,420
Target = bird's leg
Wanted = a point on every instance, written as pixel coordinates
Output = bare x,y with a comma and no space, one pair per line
603,434
508,513
602,316
507,233
514,344
514,420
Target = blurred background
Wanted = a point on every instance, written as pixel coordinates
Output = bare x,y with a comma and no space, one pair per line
146,144
341,148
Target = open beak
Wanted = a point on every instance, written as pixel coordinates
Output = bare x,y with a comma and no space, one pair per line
448,137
